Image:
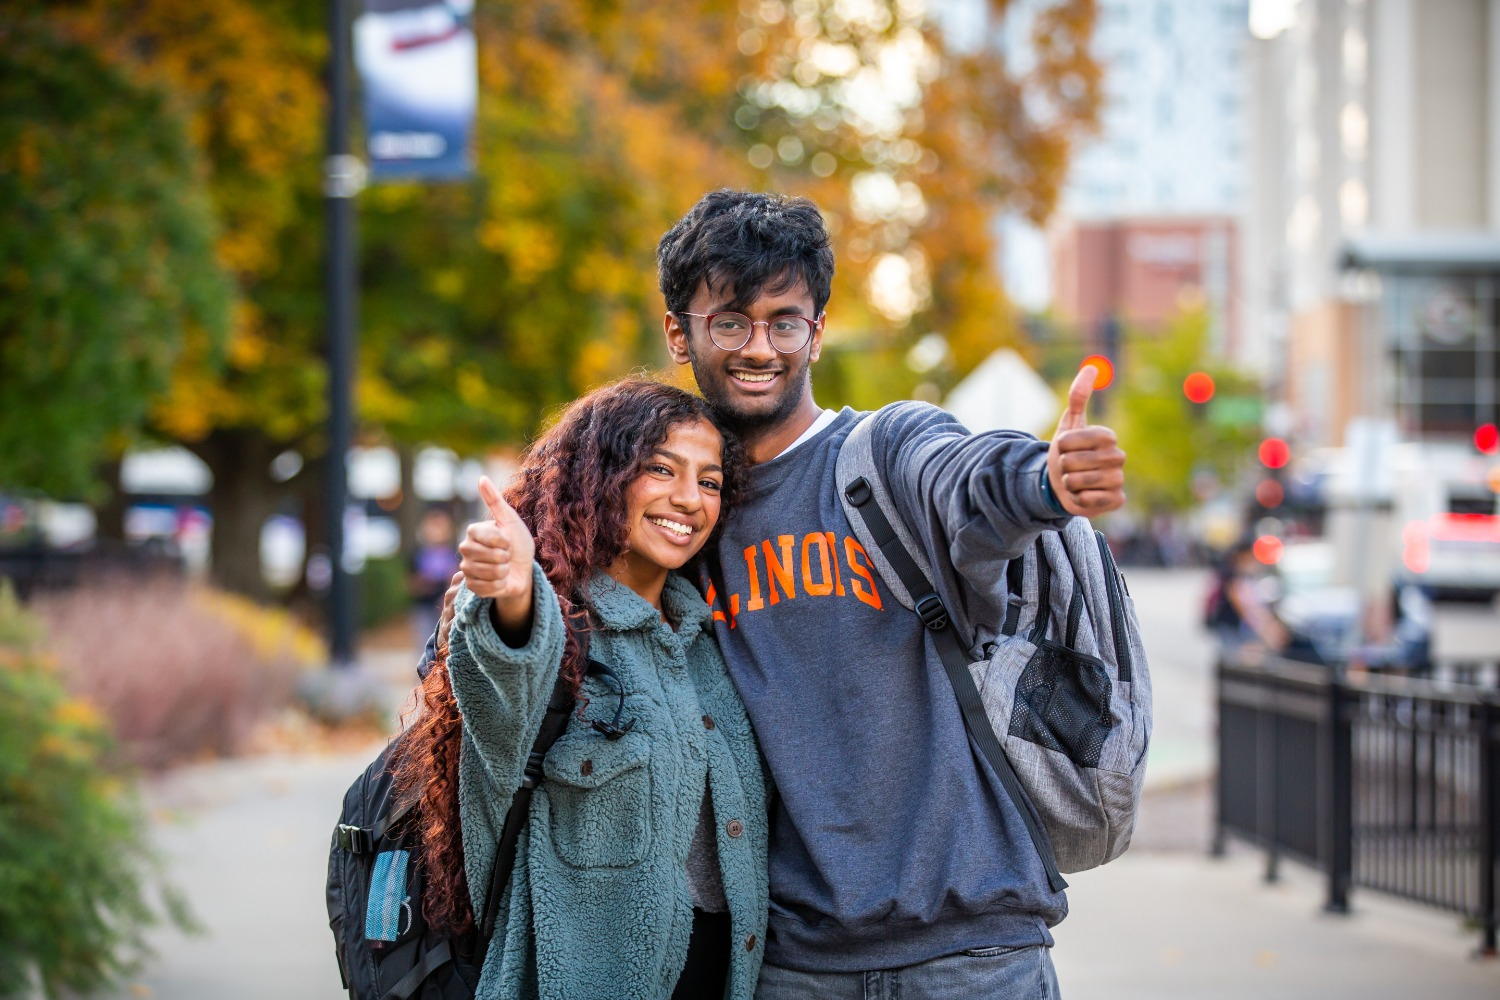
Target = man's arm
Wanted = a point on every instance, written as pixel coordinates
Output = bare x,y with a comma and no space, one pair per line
983,498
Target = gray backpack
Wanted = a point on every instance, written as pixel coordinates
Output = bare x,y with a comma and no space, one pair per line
1049,669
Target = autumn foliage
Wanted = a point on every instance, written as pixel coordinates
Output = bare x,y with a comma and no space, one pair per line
486,305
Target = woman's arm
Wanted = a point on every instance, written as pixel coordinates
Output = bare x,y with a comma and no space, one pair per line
507,640
502,689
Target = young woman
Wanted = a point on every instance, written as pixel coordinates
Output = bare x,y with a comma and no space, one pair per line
642,870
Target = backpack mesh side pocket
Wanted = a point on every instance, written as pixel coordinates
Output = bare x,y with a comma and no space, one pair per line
1062,703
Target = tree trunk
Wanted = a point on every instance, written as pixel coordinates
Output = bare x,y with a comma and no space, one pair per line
109,516
409,514
242,498
311,488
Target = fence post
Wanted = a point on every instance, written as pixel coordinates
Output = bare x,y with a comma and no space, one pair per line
1221,791
1267,779
1489,821
1338,802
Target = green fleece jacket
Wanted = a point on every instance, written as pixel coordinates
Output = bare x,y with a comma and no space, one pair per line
599,905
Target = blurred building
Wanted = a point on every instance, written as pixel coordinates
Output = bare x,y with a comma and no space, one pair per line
1372,258
1144,270
1148,221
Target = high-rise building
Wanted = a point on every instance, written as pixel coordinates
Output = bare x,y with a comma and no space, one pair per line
1372,263
1148,220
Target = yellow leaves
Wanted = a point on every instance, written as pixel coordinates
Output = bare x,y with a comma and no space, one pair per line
608,356
380,402
530,248
446,283
254,100
470,385
77,714
271,632
599,272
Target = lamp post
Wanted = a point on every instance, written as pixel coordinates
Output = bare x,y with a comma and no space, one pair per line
343,177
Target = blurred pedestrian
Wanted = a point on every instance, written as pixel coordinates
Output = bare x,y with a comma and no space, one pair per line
433,563
1236,610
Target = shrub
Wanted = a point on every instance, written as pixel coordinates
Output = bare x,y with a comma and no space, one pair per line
75,874
178,670
382,591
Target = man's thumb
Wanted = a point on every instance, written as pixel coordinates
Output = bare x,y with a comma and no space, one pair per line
1078,399
499,509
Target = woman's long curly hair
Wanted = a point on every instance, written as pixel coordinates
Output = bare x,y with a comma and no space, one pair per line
570,492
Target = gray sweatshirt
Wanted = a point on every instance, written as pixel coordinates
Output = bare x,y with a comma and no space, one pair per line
892,841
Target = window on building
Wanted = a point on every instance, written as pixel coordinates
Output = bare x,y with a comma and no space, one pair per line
1444,347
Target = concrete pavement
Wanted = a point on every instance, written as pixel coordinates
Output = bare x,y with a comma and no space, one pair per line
247,840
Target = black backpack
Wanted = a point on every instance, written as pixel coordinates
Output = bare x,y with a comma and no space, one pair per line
385,949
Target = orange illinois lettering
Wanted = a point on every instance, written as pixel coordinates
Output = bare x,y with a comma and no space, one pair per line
734,604
855,552
780,570
755,603
838,576
825,585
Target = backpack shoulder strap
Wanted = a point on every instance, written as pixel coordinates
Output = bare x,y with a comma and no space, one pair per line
869,507
856,463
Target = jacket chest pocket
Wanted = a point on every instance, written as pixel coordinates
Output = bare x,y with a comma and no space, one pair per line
599,799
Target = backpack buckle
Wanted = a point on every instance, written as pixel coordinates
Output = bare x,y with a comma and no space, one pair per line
859,492
354,839
930,609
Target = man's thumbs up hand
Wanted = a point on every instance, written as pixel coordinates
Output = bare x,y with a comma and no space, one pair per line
1085,465
495,557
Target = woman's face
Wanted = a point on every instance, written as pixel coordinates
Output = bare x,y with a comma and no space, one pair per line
673,504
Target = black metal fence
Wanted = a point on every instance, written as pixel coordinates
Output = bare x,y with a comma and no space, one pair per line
1390,784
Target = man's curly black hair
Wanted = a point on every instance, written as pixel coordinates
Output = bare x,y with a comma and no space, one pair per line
745,244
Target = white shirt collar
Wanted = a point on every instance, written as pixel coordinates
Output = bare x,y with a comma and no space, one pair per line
817,427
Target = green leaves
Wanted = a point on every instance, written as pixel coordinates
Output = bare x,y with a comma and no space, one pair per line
106,257
76,876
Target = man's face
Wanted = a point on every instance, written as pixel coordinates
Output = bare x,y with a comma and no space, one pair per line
756,387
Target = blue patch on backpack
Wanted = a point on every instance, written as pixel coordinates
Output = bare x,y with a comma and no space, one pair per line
388,900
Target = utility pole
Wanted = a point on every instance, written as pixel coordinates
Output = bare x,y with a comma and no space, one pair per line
343,177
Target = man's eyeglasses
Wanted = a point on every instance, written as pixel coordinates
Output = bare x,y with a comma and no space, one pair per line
731,331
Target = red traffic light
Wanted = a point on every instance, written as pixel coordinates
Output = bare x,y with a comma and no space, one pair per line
1267,549
1269,493
1103,366
1198,387
1275,453
1487,439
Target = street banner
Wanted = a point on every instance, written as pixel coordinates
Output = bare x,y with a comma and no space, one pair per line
417,63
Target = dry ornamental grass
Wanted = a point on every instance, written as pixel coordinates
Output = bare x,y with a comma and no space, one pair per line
180,670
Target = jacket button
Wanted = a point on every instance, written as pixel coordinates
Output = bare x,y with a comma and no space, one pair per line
586,768
708,722
734,828
750,943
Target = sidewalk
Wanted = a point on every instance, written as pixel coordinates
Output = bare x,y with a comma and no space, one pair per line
1181,925
247,840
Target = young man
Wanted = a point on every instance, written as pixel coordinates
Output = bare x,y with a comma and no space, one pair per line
895,855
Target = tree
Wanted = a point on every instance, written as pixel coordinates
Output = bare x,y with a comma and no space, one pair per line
106,265
915,140
1169,439
246,73
488,304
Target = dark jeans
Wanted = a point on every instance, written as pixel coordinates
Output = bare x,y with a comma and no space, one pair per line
977,974
707,968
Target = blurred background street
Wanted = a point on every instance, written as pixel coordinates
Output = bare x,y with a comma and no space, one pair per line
279,281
